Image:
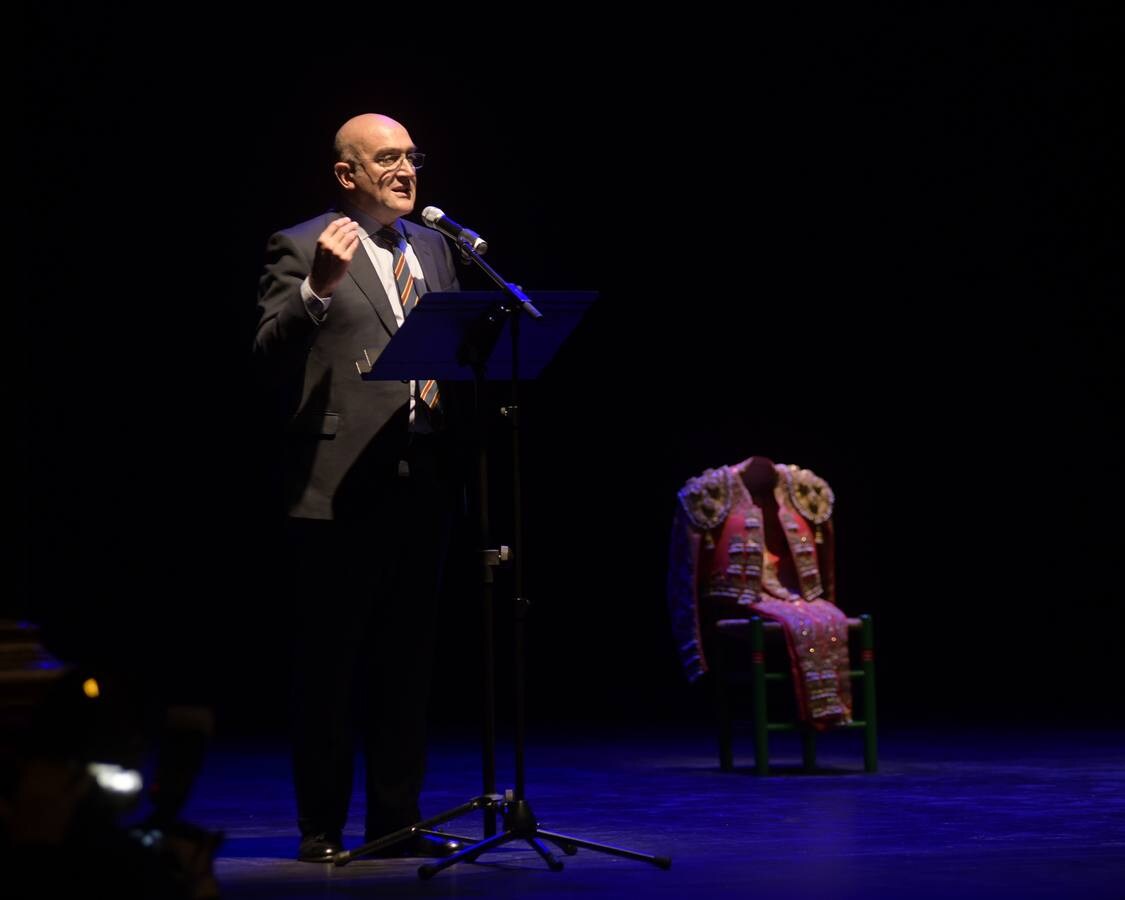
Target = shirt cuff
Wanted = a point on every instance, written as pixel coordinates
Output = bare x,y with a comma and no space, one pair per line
316,306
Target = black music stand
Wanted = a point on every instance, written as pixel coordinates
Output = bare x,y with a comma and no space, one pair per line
461,336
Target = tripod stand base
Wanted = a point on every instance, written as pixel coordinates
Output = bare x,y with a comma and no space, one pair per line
421,828
519,824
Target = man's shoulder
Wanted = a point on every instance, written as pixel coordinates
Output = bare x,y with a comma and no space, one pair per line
310,229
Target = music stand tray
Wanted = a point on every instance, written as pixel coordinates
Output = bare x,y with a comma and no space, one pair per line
442,332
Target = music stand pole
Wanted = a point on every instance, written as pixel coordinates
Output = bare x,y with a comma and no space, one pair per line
520,602
489,559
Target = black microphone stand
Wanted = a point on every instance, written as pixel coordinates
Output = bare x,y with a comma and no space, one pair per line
512,806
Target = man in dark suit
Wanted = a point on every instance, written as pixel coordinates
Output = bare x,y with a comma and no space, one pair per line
368,486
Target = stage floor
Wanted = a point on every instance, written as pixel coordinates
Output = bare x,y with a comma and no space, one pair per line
952,813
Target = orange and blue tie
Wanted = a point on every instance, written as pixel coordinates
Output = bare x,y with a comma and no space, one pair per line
408,296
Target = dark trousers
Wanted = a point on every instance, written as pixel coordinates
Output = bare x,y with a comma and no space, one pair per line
363,616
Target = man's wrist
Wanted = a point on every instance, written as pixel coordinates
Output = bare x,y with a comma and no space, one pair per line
315,302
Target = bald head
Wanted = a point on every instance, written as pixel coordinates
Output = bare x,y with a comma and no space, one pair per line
363,133
372,167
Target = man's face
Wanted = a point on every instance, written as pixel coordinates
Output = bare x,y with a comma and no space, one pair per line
385,180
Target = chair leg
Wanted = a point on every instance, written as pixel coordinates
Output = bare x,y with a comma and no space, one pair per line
758,687
722,709
808,749
867,648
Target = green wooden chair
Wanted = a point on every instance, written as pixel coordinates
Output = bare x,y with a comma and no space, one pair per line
752,651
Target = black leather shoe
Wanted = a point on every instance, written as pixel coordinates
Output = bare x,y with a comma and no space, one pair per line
320,848
422,845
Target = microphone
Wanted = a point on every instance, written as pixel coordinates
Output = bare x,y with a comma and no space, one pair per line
439,221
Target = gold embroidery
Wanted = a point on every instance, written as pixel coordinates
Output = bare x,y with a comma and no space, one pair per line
811,495
706,499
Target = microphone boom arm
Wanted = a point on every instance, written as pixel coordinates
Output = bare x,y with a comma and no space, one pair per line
512,290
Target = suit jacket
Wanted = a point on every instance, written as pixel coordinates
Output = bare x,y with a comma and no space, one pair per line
344,437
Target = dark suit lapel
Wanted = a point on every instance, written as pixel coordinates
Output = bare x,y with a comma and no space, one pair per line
430,266
367,279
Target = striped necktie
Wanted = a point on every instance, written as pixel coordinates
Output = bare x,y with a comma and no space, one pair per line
408,296
404,280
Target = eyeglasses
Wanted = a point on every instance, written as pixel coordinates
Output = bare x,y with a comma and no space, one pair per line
392,159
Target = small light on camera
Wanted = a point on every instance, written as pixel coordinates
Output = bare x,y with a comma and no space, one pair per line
114,779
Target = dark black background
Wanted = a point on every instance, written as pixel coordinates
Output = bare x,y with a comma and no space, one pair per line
885,247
